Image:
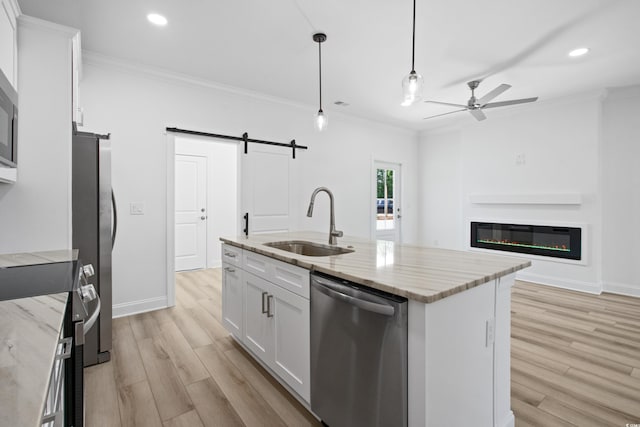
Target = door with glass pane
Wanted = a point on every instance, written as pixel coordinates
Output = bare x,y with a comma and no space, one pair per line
387,201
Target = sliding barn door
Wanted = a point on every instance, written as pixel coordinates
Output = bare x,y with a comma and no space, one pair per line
265,189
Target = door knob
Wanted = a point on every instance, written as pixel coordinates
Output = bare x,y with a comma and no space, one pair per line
202,210
203,217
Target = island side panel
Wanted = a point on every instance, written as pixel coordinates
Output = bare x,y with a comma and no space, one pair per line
503,415
453,359
416,364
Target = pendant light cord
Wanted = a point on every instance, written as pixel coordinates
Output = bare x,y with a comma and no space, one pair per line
320,71
413,46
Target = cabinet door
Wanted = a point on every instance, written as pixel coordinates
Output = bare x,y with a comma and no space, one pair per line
232,299
257,328
291,358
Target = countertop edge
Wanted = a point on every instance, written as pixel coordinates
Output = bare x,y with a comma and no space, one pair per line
273,253
35,384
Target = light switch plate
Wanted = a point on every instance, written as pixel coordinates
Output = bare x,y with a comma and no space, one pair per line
136,208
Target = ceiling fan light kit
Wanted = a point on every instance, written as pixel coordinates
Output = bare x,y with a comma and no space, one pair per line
321,120
476,105
413,83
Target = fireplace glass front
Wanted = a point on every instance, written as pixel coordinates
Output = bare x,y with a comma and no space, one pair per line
551,241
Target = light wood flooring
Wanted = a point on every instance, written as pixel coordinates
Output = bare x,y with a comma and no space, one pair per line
575,362
178,367
575,358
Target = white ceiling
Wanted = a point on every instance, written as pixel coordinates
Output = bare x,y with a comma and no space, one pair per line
266,47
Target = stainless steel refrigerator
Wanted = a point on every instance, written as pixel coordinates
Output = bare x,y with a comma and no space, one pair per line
94,230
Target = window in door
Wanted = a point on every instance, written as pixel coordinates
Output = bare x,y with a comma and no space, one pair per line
387,202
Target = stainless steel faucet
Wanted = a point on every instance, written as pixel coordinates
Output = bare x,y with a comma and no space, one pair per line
333,233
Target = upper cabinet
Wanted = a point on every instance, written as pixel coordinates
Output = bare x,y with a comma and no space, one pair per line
9,12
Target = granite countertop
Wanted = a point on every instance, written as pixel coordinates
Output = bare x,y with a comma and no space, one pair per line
29,332
33,258
419,273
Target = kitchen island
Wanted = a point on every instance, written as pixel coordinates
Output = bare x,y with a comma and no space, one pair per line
458,318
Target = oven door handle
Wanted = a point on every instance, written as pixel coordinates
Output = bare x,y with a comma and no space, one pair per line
329,289
93,317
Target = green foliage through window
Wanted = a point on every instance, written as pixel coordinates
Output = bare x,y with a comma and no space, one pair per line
381,174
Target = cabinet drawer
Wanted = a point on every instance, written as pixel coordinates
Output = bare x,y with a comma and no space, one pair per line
288,276
257,264
231,255
291,277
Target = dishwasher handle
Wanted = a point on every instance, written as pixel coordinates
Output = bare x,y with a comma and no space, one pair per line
335,290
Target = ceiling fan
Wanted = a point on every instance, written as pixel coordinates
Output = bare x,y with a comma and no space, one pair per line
476,105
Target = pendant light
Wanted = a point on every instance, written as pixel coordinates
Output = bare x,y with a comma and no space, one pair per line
413,82
321,119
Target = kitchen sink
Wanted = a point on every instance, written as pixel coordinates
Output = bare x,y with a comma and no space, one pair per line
302,247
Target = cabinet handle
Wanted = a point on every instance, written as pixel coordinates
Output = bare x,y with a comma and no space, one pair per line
66,348
264,310
269,299
230,255
230,270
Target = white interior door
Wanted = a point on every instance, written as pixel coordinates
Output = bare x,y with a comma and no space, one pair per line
265,189
190,212
386,204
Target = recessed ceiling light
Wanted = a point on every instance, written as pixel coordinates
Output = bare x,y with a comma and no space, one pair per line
579,52
156,19
341,103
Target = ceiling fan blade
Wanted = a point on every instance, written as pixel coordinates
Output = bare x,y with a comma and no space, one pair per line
511,102
447,103
443,114
497,91
478,114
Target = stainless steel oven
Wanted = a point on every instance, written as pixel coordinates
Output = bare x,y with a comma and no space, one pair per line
8,123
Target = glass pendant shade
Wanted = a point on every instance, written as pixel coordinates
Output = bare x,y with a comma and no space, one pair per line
321,120
412,88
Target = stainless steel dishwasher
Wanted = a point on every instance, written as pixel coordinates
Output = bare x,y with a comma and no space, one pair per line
358,354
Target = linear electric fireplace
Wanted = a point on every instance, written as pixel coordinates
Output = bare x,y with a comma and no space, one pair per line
544,240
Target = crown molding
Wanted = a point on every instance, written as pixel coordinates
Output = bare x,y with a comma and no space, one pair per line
15,7
93,58
31,22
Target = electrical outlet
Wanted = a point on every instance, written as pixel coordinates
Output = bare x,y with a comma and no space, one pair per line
521,159
491,332
136,208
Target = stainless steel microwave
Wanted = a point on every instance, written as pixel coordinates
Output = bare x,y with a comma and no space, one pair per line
8,123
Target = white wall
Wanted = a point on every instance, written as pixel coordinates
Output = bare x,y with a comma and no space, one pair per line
621,191
560,141
222,188
35,212
137,106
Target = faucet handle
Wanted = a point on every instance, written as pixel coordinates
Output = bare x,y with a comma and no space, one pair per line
337,233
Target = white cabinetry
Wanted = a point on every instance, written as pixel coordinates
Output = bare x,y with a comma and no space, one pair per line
9,12
275,307
459,358
232,299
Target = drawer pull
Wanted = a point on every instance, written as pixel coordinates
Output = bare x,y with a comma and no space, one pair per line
269,299
230,270
230,254
66,348
264,310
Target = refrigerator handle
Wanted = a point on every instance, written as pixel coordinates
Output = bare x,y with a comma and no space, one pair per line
115,219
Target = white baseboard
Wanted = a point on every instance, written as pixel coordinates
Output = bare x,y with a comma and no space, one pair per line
141,306
574,285
507,421
621,289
